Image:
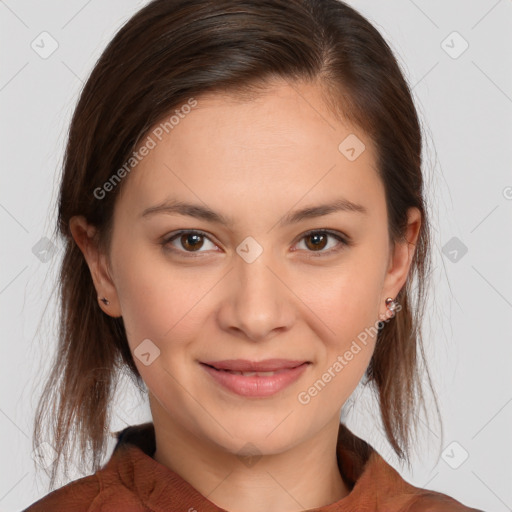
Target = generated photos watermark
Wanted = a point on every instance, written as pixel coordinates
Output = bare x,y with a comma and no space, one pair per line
304,397
150,143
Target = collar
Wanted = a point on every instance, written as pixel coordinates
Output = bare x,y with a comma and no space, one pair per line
374,484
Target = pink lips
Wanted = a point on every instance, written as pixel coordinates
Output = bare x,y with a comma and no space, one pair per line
260,385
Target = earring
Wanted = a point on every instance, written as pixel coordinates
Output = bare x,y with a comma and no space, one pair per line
391,304
105,301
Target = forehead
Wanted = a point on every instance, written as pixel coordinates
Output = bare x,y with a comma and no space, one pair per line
283,144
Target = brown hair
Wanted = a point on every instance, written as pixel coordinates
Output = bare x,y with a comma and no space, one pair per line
173,50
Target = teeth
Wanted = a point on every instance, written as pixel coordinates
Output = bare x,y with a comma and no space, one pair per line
250,374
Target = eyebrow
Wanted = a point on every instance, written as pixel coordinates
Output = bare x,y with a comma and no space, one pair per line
174,207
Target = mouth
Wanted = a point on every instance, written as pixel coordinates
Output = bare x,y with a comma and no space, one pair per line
250,374
255,379
245,366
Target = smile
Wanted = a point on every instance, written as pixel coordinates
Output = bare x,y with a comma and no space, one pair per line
257,384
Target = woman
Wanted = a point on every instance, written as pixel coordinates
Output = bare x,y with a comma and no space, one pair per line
242,206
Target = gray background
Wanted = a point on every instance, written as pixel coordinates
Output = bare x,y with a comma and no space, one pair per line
465,101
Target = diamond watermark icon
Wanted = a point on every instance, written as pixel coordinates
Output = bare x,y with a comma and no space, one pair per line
454,249
454,45
146,352
249,455
44,249
44,455
44,45
351,147
454,455
249,250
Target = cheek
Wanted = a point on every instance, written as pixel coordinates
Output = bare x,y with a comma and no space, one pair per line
160,301
346,300
346,305
163,308
346,347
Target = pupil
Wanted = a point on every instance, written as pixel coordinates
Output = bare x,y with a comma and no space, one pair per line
319,238
193,245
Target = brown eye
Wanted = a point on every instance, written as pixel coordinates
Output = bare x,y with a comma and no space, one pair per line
191,241
188,242
318,241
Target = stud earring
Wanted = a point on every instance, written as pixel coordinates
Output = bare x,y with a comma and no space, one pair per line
391,304
105,301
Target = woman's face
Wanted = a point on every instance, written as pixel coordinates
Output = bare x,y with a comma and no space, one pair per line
257,286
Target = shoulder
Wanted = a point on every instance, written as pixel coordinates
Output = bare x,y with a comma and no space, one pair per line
77,496
115,486
90,494
431,501
379,486
390,491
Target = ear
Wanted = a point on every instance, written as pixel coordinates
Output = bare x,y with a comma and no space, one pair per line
400,259
85,237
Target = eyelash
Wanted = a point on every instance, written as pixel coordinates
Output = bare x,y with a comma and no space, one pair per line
343,239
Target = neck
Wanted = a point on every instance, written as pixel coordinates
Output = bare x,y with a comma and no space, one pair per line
303,477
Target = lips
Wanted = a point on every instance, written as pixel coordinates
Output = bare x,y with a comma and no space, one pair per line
260,367
255,379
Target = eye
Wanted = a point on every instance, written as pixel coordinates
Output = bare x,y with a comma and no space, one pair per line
316,241
190,241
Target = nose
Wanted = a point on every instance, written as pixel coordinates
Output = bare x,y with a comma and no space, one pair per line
259,303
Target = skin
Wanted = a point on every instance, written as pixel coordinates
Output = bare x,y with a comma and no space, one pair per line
255,161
